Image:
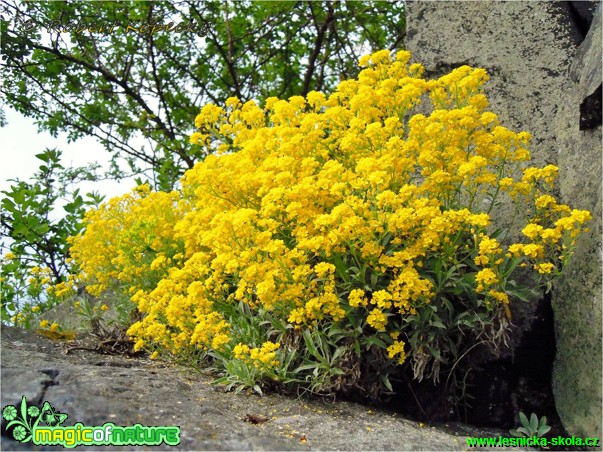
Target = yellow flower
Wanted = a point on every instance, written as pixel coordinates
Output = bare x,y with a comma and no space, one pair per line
323,269
382,299
516,249
544,201
544,268
263,357
353,196
533,250
397,349
377,319
139,345
485,277
551,235
502,297
219,341
356,298
35,309
296,317
240,351
488,247
104,307
532,231
44,323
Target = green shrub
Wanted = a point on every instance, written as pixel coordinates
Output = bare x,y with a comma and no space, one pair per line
36,267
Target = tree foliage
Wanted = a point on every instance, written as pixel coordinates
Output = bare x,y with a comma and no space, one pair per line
119,72
35,264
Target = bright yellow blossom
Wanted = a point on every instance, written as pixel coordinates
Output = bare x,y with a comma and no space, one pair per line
349,209
544,268
397,350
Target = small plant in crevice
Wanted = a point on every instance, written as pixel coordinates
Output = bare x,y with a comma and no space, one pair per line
363,243
533,427
55,331
104,321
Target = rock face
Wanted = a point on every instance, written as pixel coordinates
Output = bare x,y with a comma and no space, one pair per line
545,72
95,388
577,299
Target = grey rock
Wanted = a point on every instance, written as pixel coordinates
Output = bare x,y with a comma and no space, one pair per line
93,389
577,297
586,70
528,48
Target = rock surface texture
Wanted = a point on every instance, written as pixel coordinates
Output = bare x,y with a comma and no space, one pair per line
544,59
93,388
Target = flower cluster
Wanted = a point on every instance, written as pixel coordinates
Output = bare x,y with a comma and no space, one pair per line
129,242
346,210
45,324
262,357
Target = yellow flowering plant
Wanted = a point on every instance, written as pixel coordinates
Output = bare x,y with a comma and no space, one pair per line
128,247
329,242
129,243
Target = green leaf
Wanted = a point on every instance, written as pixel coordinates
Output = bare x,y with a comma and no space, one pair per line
435,352
338,353
305,367
533,422
374,340
310,342
386,382
526,432
357,348
41,229
524,420
543,429
386,239
23,409
520,294
341,268
8,204
19,230
44,156
374,279
437,324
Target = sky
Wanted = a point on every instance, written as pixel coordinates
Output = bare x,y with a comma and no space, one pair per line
20,141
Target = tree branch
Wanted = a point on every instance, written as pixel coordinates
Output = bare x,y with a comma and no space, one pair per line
317,45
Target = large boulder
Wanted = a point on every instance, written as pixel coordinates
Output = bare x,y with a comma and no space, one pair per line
545,82
93,388
577,297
